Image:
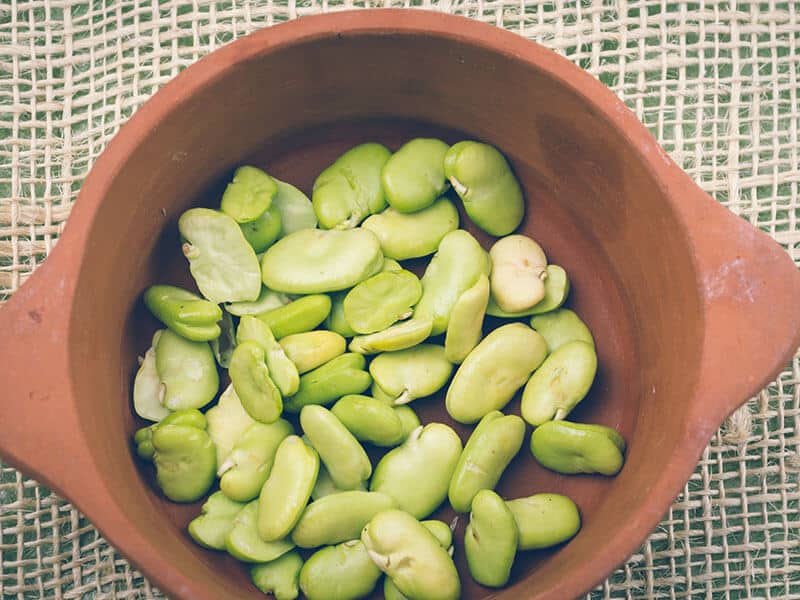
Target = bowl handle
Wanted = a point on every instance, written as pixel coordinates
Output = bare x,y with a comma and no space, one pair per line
751,302
39,429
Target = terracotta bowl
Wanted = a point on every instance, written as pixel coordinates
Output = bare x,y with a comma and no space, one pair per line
693,309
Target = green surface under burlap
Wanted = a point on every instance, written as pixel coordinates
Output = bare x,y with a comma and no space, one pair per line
716,82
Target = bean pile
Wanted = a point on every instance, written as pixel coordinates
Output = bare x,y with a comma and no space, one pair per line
307,307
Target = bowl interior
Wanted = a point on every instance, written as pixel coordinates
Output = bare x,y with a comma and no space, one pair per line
591,204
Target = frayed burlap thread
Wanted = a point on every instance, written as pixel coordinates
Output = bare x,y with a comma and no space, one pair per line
717,82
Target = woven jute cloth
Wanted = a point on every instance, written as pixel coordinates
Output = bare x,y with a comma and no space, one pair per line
716,82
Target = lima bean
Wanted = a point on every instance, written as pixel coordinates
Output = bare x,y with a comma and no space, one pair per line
403,236
343,572
490,540
494,371
350,189
288,488
491,447
413,177
482,178
411,556
338,518
344,458
315,261
571,448
432,450
454,269
560,383
413,373
544,520
223,264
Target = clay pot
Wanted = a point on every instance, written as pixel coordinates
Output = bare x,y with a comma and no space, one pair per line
693,309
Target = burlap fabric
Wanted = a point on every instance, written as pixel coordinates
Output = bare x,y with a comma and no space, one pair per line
717,82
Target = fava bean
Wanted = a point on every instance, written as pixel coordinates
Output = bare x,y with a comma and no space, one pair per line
187,370
338,517
411,556
556,290
454,269
249,195
184,456
314,261
544,520
281,370
185,313
397,337
490,541
312,349
223,264
561,326
413,177
432,450
336,321
369,420
263,231
408,419
491,447
343,572
223,346
466,321
227,422
519,268
296,210
382,300
299,316
343,375
279,577
215,521
147,389
409,374
325,486
560,383
345,460
244,543
492,373
247,467
288,488
570,448
350,189
403,236
483,180
267,300
250,378
143,438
